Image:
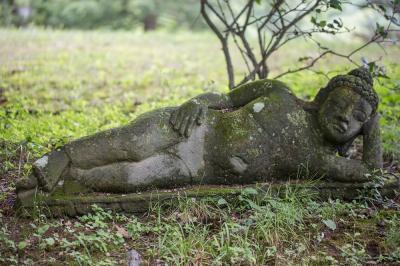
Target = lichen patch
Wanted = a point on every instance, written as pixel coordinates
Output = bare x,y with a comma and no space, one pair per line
257,107
42,162
297,118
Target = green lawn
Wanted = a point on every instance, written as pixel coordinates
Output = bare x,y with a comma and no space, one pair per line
61,85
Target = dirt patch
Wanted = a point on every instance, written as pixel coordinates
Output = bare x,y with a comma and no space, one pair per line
373,248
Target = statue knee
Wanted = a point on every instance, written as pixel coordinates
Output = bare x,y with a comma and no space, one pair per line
161,170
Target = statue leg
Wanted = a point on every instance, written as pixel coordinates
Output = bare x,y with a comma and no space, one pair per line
147,135
161,171
150,133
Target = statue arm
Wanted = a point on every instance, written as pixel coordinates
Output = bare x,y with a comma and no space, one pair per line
239,96
372,149
193,112
344,170
348,170
213,100
251,91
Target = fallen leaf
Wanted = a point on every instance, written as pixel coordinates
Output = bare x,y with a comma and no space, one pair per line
122,231
330,224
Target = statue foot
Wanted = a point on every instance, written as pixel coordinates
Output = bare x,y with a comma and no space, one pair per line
49,169
47,172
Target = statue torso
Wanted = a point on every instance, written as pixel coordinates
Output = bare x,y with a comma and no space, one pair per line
272,136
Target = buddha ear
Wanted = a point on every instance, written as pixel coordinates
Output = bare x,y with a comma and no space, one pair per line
343,149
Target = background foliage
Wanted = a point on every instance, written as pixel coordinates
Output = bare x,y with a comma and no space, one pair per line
100,14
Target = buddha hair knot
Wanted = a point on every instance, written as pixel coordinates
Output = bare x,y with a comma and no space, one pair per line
359,80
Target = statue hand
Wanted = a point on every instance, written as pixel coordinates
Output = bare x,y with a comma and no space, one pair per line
372,147
184,118
371,125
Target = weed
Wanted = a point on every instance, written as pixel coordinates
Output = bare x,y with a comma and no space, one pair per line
136,228
354,254
393,234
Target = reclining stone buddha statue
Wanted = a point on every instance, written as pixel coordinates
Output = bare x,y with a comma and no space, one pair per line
257,132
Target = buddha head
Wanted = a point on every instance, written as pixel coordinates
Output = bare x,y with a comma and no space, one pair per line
345,105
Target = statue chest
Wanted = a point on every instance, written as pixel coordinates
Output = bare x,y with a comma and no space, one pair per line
259,142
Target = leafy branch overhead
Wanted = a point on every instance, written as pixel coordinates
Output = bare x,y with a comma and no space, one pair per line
276,23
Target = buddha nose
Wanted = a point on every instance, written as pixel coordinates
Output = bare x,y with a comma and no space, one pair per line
345,114
343,121
343,118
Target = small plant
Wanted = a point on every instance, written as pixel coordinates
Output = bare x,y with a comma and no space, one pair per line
393,237
136,228
371,191
7,246
323,258
183,245
354,254
233,245
97,219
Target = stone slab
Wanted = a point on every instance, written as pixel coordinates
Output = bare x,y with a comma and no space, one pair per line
59,204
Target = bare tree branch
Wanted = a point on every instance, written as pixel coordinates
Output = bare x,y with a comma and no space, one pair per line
224,43
267,53
348,57
279,25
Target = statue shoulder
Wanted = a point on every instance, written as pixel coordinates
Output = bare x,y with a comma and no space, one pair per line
279,89
260,88
271,85
280,86
268,83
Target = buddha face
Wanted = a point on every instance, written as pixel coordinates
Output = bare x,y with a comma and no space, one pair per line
343,114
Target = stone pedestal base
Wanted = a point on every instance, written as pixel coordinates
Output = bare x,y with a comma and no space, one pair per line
72,201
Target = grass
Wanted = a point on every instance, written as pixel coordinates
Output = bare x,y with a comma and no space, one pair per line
61,85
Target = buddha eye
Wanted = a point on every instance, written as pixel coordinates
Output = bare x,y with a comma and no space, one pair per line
334,101
360,116
338,103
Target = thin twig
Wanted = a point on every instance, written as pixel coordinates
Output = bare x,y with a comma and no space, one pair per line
224,43
271,48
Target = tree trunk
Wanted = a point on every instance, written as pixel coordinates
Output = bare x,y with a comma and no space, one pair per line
150,22
3,98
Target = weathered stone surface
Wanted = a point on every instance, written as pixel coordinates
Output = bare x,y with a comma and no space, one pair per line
258,132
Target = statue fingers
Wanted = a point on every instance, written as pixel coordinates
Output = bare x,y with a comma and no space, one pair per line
189,125
201,115
183,124
174,117
369,125
179,120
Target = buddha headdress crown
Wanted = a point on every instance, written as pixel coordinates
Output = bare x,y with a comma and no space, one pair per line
359,80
